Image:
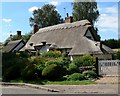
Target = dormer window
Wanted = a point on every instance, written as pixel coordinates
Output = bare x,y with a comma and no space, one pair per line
89,35
31,44
44,42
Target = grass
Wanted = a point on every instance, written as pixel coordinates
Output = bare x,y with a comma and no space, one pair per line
84,82
43,82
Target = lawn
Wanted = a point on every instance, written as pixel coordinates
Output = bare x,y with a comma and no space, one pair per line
43,82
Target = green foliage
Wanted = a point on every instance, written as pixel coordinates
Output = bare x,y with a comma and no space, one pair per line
24,54
52,54
12,66
27,36
53,61
47,15
90,74
52,72
112,43
85,10
76,76
85,60
116,55
16,37
29,72
73,68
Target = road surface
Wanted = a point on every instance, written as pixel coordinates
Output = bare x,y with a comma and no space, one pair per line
64,89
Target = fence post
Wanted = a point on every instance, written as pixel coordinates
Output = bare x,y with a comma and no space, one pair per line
97,67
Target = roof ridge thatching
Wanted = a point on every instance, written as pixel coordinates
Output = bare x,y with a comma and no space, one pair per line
65,26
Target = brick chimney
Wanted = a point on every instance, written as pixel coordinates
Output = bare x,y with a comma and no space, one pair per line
68,19
19,33
35,29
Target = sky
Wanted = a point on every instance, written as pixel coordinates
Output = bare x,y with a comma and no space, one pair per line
15,16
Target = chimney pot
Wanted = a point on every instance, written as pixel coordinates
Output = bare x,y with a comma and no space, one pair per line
67,15
69,19
19,33
35,28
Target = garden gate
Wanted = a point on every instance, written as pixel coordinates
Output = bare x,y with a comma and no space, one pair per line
109,67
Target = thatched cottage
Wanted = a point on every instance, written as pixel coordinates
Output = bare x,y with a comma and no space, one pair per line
72,38
14,46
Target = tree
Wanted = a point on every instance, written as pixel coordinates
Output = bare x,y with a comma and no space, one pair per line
85,10
46,16
112,43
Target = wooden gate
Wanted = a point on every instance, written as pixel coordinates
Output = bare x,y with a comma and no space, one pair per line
109,67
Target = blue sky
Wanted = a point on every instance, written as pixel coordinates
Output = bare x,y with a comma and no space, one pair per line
15,16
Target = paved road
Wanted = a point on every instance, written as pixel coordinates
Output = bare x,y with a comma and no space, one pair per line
22,90
92,88
64,89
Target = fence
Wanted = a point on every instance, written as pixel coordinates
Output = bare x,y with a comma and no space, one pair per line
109,67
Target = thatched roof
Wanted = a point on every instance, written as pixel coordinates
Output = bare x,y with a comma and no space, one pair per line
12,45
66,35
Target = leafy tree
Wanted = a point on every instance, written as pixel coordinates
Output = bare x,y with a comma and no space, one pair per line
45,16
112,43
85,10
27,36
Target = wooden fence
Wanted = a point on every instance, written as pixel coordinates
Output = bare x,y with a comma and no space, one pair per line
109,67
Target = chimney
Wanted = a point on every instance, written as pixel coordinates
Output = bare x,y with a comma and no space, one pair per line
35,29
19,33
68,19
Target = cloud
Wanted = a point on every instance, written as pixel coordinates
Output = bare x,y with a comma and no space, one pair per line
55,3
32,9
113,10
6,20
108,18
108,21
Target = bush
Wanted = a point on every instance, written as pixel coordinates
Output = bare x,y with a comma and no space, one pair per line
73,68
29,72
52,72
52,62
24,54
90,74
85,60
12,66
76,76
52,54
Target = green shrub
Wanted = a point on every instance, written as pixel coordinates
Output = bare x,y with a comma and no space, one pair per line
52,54
52,62
24,54
12,66
29,72
76,76
73,67
85,60
52,72
90,74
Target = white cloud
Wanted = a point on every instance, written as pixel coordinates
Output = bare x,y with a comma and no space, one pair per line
108,21
6,20
111,10
108,18
54,3
32,9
